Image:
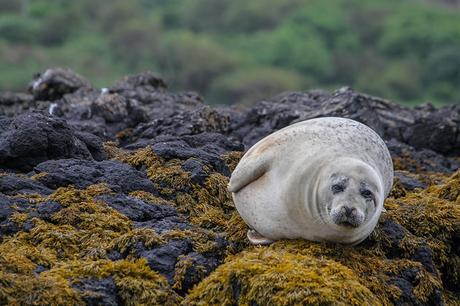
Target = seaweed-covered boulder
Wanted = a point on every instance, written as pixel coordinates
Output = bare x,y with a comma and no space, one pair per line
31,138
267,277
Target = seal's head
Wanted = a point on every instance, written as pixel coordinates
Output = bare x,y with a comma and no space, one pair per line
350,195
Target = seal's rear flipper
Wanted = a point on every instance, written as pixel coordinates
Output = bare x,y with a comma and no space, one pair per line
247,171
257,239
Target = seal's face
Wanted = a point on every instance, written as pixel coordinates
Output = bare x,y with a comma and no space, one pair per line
351,197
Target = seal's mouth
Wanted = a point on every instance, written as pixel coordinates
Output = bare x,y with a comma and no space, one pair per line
348,224
347,218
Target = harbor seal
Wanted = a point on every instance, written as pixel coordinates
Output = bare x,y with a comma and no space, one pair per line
322,179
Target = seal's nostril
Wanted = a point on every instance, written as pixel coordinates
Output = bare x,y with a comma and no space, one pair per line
348,210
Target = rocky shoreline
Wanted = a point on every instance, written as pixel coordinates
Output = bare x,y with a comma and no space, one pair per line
118,196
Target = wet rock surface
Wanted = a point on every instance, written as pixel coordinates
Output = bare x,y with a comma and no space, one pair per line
31,138
119,196
83,173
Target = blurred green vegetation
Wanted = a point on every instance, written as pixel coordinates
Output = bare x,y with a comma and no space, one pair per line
240,51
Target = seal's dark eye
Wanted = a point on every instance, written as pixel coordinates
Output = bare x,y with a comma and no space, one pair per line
366,193
336,188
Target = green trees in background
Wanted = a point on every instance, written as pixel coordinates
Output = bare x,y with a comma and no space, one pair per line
239,51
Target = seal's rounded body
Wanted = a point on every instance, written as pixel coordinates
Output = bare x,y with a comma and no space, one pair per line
323,179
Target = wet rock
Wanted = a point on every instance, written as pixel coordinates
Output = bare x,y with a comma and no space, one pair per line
100,112
164,225
120,177
195,267
406,283
94,145
39,269
45,210
15,185
5,207
56,82
395,233
31,138
7,227
138,210
408,182
424,255
435,129
164,258
422,160
180,123
196,168
111,107
147,80
98,291
205,147
12,103
422,128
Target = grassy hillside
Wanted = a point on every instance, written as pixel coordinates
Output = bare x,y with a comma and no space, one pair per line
238,51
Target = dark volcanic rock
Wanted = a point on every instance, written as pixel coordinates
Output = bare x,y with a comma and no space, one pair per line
98,291
111,107
161,218
5,207
138,210
83,173
423,127
165,225
406,282
94,145
6,226
181,122
207,147
45,210
12,103
409,183
198,266
134,100
31,138
422,160
99,112
147,80
56,82
204,149
164,258
196,169
14,185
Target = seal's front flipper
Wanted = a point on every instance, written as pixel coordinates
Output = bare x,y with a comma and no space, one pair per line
248,170
257,239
